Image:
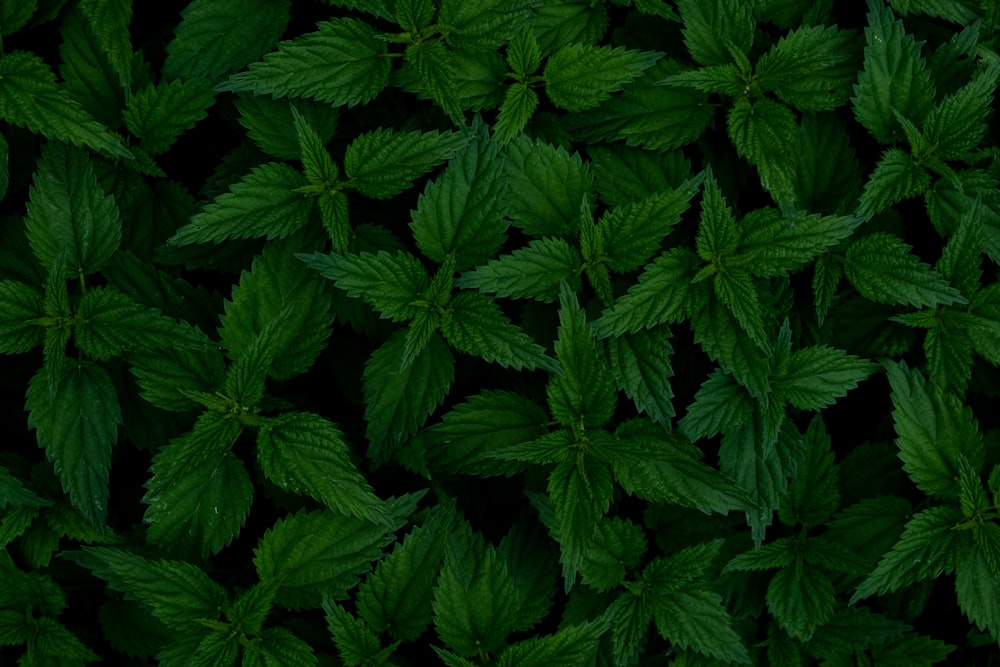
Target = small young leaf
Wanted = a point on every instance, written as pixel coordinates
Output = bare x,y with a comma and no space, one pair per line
977,587
356,643
736,290
578,77
696,619
519,103
720,406
484,24
957,125
317,165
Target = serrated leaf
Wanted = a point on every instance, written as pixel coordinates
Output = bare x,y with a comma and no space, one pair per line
928,548
398,399
911,650
578,77
180,594
199,494
958,124
109,20
819,375
627,174
801,599
896,177
264,203
474,324
718,236
813,494
570,646
573,22
532,272
580,494
20,304
305,453
853,628
761,132
29,97
772,247
382,163
895,77
531,563
934,430
712,29
435,74
356,643
76,414
279,647
214,37
883,270
871,527
771,556
245,380
584,393
720,406
170,377
547,185
484,24
736,290
315,554
723,339
160,114
977,585
13,492
696,619
519,104
640,365
317,165
71,220
271,122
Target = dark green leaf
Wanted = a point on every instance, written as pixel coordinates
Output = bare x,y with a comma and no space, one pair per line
383,163
547,185
578,77
159,114
475,324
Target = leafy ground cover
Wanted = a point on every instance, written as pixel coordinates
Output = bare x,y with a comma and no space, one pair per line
499,332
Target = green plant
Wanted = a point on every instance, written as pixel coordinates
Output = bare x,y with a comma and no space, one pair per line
504,332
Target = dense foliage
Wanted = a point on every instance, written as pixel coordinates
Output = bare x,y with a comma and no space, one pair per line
500,332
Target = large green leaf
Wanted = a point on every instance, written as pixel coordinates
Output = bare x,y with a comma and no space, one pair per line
578,77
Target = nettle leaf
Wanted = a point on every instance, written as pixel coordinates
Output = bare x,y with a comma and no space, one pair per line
571,645
519,104
20,305
883,270
930,546
356,643
109,20
343,63
158,115
305,453
762,131
76,414
626,174
171,376
957,125
271,122
413,14
817,376
580,494
579,77
390,283
264,203
773,248
896,177
640,365
736,290
462,213
382,163
801,598
71,221
813,495
531,562
895,78
584,393
397,596
315,554
398,399
720,406
533,272
435,74
474,324
484,24
179,594
279,284
199,494
30,98
712,29
724,340
935,430
574,22
547,185
618,545
718,234
977,584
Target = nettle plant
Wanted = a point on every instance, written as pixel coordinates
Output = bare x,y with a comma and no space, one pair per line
499,332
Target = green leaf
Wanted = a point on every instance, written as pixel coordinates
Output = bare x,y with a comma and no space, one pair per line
519,104
158,115
935,430
718,236
109,323
399,399
713,29
30,98
413,15
640,364
169,378
304,453
957,125
14,15
818,375
271,123
474,324
382,163
853,628
579,77
264,203
632,232
245,381
484,24
801,599
461,214
810,68
277,646
397,596
199,494
895,78
960,259
214,37
76,415
627,174
661,295
20,305
317,164
977,586
570,646
883,270
736,290
771,247
390,283
896,177
911,650
277,283
531,563
13,492
928,548
813,494
109,20
547,185
720,406
697,620
178,593
584,393
532,272
315,554
581,494
723,339
761,132
71,220
356,643
475,604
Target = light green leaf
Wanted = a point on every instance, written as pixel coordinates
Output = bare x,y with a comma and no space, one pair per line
178,593
895,78
519,103
461,214
579,77
725,79
382,163
819,375
928,548
398,399
199,494
935,429
547,185
315,554
29,97
712,29
76,414
801,599
883,270
762,131
584,394
810,68
20,305
317,165
532,272
304,453
772,247
158,115
570,646
523,54
216,36
640,365
71,220
474,324
896,177
581,494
